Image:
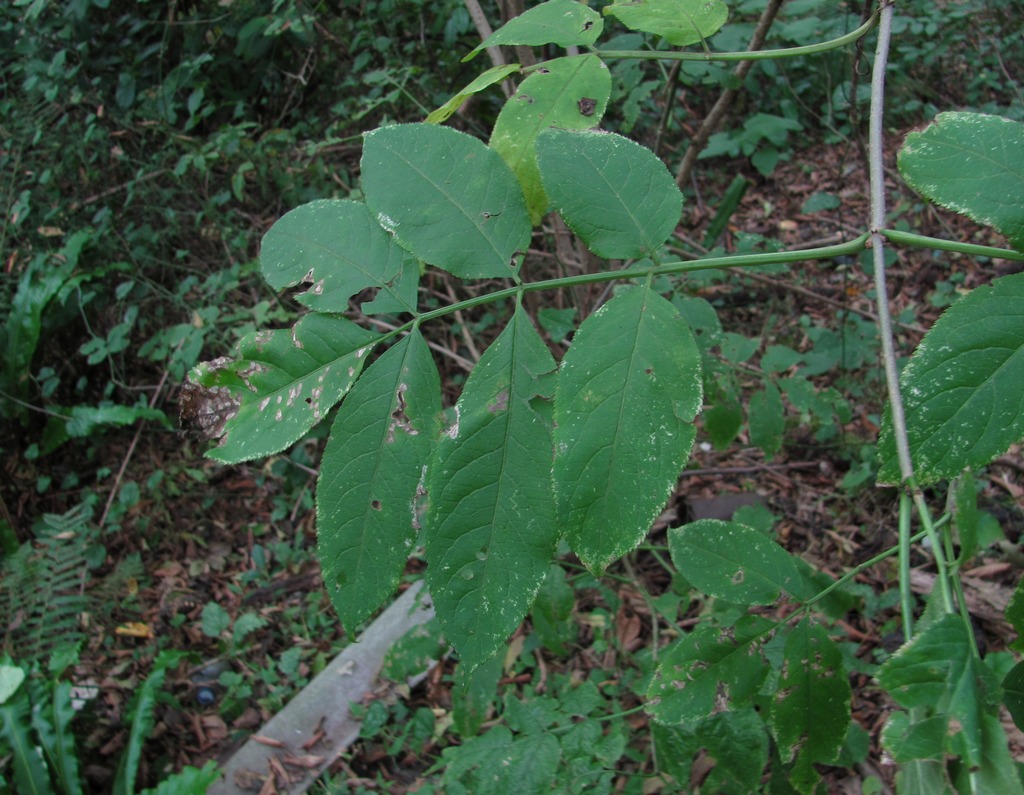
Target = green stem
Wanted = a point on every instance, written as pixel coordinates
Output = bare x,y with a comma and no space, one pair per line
755,55
906,595
923,241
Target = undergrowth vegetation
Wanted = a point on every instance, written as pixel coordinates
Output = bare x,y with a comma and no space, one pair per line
184,180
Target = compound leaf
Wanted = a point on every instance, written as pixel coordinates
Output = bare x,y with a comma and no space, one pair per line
490,524
733,562
612,192
571,93
337,249
371,467
679,22
963,389
971,163
706,666
811,710
447,198
628,390
281,384
562,22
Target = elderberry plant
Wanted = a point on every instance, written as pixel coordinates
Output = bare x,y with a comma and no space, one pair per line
586,450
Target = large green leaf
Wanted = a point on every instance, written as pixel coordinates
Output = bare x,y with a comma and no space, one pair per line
371,467
706,666
963,389
628,391
733,562
767,419
281,384
562,22
940,670
679,22
490,524
810,713
335,249
570,93
447,198
615,194
971,163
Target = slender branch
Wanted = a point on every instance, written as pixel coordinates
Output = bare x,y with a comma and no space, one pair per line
755,55
970,249
728,96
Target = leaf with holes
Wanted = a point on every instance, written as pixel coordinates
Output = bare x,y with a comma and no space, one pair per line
571,93
447,198
612,192
707,669
335,249
371,469
562,22
490,525
628,390
281,384
734,562
963,389
679,22
811,709
971,163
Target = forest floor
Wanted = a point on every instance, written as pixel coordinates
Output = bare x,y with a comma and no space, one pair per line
243,537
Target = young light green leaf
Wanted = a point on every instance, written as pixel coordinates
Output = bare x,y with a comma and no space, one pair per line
679,22
52,722
570,93
810,713
281,384
485,80
907,740
970,163
767,420
733,562
708,665
490,525
612,192
335,249
1013,693
627,393
380,442
562,22
447,198
940,670
963,389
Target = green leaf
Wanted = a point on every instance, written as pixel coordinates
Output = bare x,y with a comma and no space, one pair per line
998,769
907,740
570,93
1015,615
811,710
707,666
1013,694
474,695
734,742
189,780
733,562
281,384
371,467
679,22
615,194
971,163
940,670
562,22
490,525
551,614
766,416
722,422
484,80
336,249
215,620
627,393
447,198
496,763
51,718
30,776
11,677
963,389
